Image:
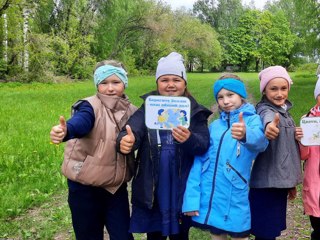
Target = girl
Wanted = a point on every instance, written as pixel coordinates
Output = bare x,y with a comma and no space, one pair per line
164,158
217,188
311,180
97,174
277,170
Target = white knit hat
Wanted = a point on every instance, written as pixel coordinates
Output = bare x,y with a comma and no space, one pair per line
317,88
171,65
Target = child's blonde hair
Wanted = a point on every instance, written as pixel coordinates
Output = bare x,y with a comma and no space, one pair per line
229,75
110,62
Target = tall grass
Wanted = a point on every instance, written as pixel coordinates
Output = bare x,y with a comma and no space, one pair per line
30,165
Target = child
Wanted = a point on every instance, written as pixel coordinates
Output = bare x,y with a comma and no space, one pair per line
164,158
217,189
277,170
96,173
311,180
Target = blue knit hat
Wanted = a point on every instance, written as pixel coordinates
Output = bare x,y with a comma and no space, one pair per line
171,65
102,72
231,84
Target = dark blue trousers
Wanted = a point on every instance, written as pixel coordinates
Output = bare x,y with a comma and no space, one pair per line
93,208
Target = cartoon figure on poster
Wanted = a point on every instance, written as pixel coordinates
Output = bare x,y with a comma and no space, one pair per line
183,117
162,118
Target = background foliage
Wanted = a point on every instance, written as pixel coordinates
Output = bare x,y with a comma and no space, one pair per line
43,40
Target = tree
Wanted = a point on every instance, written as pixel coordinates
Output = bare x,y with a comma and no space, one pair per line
223,16
198,41
70,23
274,39
119,24
206,11
241,43
303,17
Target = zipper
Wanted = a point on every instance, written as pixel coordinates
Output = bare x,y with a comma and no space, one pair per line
238,148
180,160
215,172
150,155
237,172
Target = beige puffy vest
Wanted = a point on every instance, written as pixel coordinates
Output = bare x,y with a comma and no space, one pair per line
93,159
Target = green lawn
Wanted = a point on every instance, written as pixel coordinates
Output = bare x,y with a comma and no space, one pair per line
30,166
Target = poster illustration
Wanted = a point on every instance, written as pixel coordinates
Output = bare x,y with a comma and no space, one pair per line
311,131
167,112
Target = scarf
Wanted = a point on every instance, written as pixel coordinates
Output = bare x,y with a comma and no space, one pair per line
315,111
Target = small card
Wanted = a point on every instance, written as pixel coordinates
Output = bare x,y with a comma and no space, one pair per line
166,112
311,131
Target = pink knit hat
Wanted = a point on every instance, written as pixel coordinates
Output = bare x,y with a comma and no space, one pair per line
266,75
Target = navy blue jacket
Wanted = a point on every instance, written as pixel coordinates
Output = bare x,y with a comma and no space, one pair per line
146,174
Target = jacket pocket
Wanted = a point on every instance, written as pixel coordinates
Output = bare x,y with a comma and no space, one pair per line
234,176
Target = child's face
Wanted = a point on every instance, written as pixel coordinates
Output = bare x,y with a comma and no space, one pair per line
277,91
171,85
111,86
228,100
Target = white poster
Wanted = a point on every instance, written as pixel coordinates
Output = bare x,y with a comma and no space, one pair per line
311,131
166,112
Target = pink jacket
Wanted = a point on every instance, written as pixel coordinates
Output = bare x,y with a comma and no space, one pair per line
311,180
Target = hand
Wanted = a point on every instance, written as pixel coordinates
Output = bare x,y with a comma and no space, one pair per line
58,132
292,193
127,141
192,213
298,134
181,134
238,130
272,130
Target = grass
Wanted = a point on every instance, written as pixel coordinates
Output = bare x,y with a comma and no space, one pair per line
30,178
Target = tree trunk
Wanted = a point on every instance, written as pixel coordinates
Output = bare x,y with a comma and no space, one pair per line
257,65
5,41
26,13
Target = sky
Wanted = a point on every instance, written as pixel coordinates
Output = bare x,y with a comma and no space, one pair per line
189,3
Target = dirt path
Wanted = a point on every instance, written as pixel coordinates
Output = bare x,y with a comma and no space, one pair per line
298,225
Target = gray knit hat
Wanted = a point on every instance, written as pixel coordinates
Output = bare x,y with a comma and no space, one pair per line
171,65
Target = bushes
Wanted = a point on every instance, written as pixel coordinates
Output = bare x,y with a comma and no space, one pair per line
308,67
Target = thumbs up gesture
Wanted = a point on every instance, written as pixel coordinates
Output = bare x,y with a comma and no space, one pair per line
272,130
238,130
59,131
127,141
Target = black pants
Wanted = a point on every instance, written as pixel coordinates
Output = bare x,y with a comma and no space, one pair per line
94,208
315,224
183,235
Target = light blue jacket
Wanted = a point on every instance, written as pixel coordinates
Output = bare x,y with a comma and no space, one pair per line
218,183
